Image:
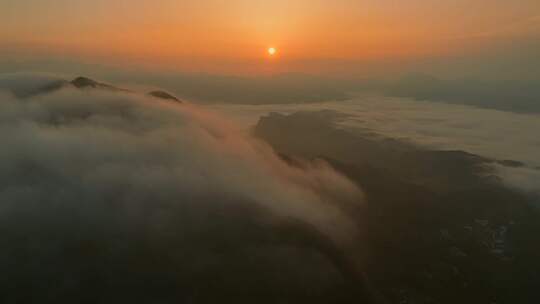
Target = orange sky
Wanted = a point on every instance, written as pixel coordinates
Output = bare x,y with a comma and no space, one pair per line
236,33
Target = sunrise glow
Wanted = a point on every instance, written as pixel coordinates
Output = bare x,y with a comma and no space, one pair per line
192,35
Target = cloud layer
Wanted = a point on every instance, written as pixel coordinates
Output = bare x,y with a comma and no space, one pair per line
89,178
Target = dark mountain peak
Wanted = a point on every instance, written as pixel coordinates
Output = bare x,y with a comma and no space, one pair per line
81,82
84,82
163,95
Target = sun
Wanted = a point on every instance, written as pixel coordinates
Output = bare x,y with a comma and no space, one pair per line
272,51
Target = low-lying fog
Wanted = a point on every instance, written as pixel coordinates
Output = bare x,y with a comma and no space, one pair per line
491,133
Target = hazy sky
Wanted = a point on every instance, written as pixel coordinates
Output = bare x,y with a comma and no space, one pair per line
234,34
